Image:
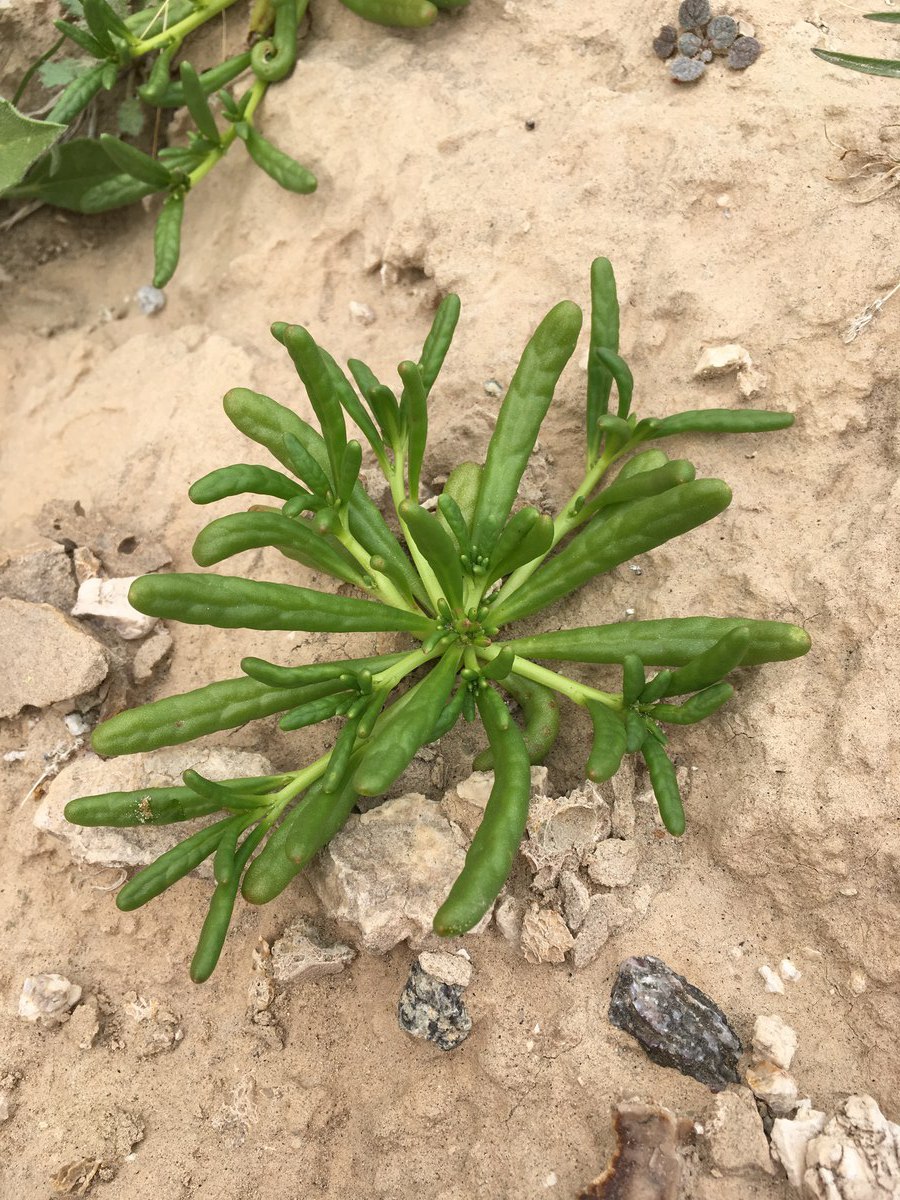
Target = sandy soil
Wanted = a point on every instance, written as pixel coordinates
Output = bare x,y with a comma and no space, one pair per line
430,181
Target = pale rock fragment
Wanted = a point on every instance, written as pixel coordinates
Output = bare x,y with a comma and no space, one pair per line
48,999
108,600
41,574
44,657
545,936
86,565
508,918
362,313
774,1040
563,830
773,982
139,845
300,955
856,1156
790,1139
774,1086
788,971
752,382
735,1135
715,361
159,1030
453,969
150,654
388,871
858,982
613,863
605,914
576,899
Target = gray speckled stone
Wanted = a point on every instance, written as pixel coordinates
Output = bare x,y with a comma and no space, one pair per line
433,1010
721,32
686,70
693,14
675,1022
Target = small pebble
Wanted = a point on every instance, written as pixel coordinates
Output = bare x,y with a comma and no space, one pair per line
692,14
788,971
150,300
492,388
433,1010
689,44
705,56
664,42
773,982
686,70
76,724
363,314
743,53
721,32
858,982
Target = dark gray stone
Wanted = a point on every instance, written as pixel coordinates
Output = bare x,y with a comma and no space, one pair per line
664,42
743,53
675,1022
721,32
433,1010
694,14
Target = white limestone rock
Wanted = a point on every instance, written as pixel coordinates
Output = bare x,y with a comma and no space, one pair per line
44,657
108,599
856,1156
301,954
388,871
774,1040
48,999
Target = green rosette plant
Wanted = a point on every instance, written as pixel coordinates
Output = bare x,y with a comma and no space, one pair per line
453,585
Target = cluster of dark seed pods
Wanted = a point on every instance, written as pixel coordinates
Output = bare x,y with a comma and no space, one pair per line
702,37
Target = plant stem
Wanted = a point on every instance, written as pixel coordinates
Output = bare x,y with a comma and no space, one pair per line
398,495
579,693
218,152
194,21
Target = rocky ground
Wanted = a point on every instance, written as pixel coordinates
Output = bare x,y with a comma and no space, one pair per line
493,155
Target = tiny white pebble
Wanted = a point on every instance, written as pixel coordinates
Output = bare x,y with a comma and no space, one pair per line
849,891
364,314
724,201
529,1045
699,1129
492,388
13,756
150,300
773,983
858,982
736,952
537,1028
635,568
551,1180
629,612
787,970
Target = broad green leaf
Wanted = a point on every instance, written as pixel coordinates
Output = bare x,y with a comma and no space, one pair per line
22,141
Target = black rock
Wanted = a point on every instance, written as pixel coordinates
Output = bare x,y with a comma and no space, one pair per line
675,1022
433,1010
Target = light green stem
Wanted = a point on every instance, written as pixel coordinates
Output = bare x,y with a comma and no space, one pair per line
203,14
218,152
579,693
